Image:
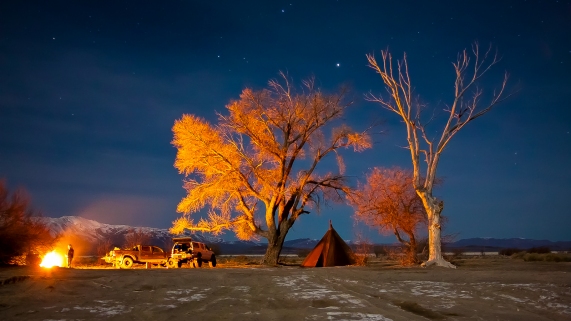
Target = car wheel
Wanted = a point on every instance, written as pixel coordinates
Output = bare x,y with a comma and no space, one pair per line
198,262
127,263
172,264
212,262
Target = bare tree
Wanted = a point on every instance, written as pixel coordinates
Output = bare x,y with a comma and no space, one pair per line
257,169
387,201
467,105
137,236
103,246
22,231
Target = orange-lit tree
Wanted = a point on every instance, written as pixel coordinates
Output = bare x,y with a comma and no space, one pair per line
257,168
466,105
388,201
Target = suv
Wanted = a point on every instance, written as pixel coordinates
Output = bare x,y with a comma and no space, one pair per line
185,250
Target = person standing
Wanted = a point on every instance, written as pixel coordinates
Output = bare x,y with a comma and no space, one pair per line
69,255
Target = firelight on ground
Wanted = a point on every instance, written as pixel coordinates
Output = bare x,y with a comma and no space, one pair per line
52,259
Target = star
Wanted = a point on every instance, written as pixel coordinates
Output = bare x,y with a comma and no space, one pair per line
338,64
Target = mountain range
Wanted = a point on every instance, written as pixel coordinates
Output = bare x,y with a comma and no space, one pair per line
87,234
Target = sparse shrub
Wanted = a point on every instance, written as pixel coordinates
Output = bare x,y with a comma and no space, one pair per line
302,252
241,259
531,257
362,252
361,259
546,257
402,256
457,251
379,250
509,251
362,249
539,250
557,257
238,260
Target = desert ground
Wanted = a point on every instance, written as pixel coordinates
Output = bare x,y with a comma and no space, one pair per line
490,288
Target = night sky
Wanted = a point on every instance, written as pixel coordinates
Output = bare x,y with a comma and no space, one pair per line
89,91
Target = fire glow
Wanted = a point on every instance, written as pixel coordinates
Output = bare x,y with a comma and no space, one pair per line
52,259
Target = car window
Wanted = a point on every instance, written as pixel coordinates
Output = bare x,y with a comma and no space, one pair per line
195,245
146,248
202,246
157,249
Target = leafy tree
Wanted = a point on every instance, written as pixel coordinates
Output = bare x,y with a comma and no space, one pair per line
388,201
21,229
468,103
257,168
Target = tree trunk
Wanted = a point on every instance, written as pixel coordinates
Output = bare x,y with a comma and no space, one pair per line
412,250
433,208
275,244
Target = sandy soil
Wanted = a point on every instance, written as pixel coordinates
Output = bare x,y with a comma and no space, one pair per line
480,289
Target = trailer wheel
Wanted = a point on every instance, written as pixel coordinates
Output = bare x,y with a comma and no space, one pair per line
172,263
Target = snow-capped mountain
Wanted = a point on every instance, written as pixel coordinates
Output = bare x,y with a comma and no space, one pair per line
93,231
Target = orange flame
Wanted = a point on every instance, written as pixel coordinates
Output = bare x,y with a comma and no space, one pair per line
52,259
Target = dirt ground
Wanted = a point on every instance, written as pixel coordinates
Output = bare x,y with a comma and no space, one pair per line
492,288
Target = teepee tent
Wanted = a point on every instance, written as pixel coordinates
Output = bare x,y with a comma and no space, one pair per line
330,251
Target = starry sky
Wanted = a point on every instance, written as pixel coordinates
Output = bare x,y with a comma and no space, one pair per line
89,91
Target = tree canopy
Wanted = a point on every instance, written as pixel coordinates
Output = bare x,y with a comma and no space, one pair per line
257,168
388,201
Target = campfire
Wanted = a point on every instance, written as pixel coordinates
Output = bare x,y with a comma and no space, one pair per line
52,259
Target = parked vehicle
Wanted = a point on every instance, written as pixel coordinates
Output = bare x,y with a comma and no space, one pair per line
125,259
187,251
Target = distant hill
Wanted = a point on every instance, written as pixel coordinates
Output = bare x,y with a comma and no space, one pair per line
520,243
88,233
301,243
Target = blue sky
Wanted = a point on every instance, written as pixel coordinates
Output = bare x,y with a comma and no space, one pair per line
89,92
